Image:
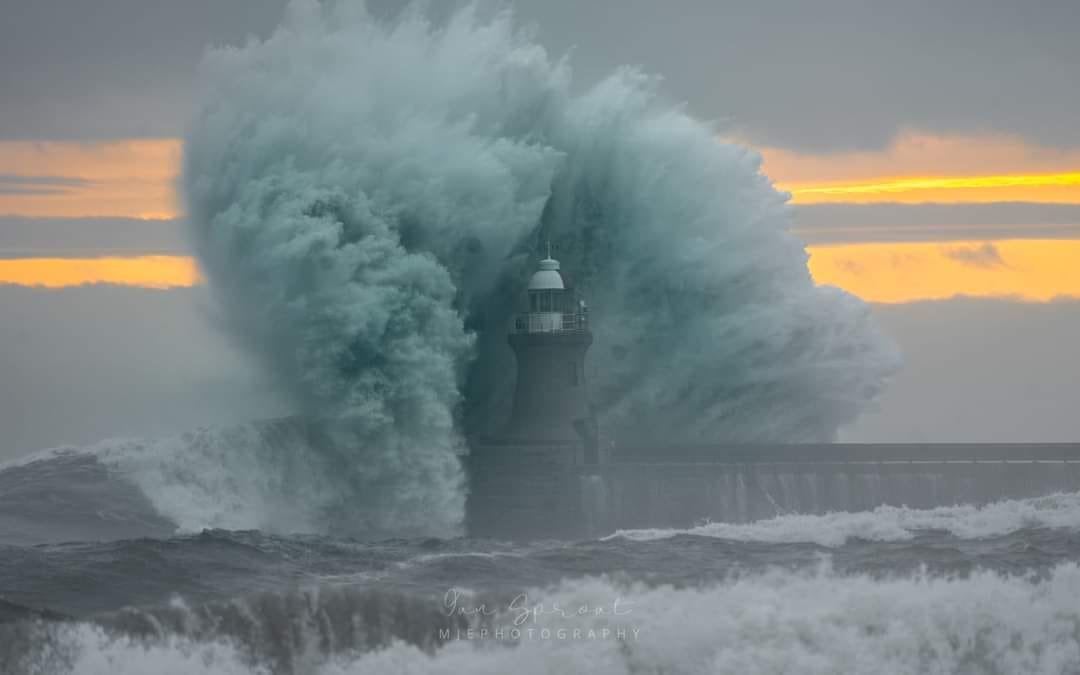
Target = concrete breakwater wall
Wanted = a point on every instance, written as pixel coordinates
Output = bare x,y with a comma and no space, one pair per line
550,490
675,487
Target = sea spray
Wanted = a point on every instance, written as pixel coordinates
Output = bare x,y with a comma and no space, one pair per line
772,622
366,198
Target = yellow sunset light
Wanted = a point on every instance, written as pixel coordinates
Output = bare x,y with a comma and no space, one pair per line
145,272
1052,188
1026,270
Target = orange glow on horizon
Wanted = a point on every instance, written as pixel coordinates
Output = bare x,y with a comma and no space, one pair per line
132,178
136,178
158,271
925,168
1045,188
1028,270
1024,269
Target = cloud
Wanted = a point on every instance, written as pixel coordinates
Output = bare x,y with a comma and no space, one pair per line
821,76
11,184
837,74
125,70
128,177
849,223
90,237
989,160
852,267
920,168
985,256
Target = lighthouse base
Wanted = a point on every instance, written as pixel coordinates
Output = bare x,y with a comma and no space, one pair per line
522,490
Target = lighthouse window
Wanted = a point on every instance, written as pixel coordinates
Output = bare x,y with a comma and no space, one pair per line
573,373
534,302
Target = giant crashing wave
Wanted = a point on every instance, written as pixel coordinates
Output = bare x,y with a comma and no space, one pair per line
366,199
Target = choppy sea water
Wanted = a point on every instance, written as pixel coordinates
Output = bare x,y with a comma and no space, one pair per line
94,579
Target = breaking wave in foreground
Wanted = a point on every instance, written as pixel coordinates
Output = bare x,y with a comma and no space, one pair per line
269,475
367,199
775,622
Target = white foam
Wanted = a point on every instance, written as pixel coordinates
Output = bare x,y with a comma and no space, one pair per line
230,478
777,622
484,555
84,649
263,475
890,523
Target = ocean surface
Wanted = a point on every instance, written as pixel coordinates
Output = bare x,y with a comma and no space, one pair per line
97,576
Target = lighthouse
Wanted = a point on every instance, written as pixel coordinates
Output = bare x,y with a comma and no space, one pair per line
525,482
549,340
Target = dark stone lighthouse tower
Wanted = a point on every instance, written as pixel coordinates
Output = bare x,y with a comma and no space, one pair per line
551,400
525,483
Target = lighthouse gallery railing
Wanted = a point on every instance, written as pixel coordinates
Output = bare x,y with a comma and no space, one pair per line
551,322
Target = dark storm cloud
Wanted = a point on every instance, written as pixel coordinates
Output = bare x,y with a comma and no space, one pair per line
843,73
89,237
843,223
828,75
71,69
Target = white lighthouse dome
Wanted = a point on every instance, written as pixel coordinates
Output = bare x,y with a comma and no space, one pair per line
547,278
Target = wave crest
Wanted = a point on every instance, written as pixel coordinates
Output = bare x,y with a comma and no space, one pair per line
365,197
766,623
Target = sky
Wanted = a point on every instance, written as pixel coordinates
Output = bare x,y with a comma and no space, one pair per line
931,151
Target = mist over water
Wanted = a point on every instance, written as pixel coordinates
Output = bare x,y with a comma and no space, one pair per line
368,198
